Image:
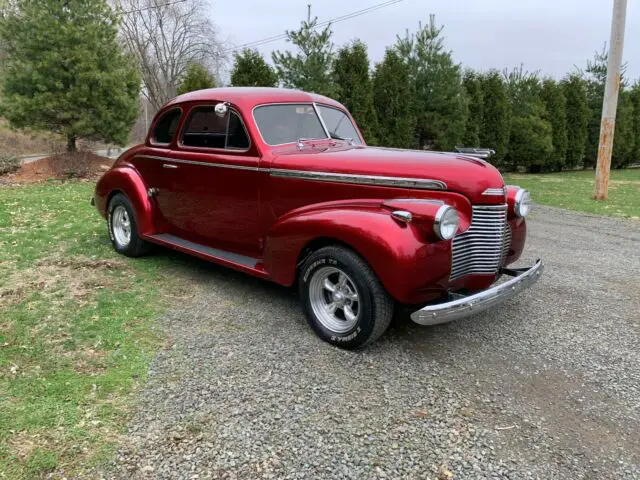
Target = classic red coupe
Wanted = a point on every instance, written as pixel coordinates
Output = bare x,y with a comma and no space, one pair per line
280,184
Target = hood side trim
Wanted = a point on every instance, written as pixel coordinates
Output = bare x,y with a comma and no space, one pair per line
418,183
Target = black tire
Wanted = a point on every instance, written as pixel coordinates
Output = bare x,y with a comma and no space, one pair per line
136,247
375,305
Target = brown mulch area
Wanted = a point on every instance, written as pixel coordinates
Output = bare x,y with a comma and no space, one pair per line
61,166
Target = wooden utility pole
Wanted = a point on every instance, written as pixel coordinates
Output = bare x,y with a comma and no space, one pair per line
610,102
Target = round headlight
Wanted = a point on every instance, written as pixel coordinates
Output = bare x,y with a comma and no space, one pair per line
523,203
446,222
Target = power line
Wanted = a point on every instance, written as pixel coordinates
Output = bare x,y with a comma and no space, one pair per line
342,18
150,7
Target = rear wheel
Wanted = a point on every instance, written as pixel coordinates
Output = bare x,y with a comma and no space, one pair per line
123,230
343,299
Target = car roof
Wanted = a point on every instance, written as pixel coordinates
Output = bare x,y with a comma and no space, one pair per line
249,97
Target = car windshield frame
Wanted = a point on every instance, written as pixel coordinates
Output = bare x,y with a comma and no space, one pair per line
327,135
358,140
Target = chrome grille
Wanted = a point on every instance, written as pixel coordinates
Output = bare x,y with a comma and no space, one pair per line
506,241
480,249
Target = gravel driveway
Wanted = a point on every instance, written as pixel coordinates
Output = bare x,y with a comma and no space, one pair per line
547,386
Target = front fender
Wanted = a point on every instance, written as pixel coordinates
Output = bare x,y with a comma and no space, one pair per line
127,180
409,268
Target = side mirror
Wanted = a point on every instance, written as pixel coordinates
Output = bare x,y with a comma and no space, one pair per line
222,109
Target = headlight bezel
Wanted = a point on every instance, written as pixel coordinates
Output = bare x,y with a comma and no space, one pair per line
443,220
522,202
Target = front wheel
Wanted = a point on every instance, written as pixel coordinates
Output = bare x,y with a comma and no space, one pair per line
343,299
123,230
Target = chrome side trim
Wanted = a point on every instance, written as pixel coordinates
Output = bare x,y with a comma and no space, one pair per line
461,306
419,183
204,164
495,192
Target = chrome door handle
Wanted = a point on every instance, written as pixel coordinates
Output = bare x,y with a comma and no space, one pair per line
169,165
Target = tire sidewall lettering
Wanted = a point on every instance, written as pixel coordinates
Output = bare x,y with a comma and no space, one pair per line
363,324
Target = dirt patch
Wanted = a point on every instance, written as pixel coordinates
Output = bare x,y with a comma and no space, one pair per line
75,278
62,166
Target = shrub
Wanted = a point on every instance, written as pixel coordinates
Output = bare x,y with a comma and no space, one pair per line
71,165
8,163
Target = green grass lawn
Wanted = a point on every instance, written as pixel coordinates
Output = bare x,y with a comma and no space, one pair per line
76,330
574,190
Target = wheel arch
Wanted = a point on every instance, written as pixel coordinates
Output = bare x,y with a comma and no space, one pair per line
126,181
395,252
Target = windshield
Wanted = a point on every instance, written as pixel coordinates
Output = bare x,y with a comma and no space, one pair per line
287,123
339,124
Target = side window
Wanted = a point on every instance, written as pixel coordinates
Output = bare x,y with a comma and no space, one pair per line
166,127
205,129
237,137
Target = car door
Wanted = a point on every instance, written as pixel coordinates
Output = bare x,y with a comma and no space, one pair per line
154,166
216,174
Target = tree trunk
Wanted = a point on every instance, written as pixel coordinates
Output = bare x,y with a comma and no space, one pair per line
71,143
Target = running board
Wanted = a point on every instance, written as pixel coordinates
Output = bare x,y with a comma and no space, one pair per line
223,257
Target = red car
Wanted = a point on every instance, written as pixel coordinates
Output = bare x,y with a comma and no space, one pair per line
280,184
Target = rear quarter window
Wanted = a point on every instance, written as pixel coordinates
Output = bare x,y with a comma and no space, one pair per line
166,127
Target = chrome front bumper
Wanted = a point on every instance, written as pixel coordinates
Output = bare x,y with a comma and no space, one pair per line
462,306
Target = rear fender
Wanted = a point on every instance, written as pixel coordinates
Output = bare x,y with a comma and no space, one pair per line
126,179
396,251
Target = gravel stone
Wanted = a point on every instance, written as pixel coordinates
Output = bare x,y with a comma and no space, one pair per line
544,387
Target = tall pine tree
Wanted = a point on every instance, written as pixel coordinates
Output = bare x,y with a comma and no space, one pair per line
555,103
530,139
393,95
496,121
635,100
309,69
251,70
440,101
623,138
66,72
577,118
355,88
473,88
596,75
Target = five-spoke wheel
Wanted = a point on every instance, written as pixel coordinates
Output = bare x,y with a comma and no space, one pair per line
342,297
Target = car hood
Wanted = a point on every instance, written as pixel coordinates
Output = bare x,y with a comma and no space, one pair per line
461,174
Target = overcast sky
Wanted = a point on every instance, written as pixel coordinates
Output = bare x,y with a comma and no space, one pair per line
547,35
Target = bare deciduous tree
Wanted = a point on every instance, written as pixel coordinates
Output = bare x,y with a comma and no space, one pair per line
165,37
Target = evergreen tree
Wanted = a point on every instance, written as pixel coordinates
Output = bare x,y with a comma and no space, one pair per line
196,78
310,68
65,71
596,76
635,101
577,118
393,96
473,88
496,121
624,141
355,88
530,139
440,101
552,96
251,70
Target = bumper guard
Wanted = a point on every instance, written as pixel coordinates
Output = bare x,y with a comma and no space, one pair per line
461,306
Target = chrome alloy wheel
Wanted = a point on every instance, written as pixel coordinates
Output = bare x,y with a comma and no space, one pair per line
121,225
334,299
